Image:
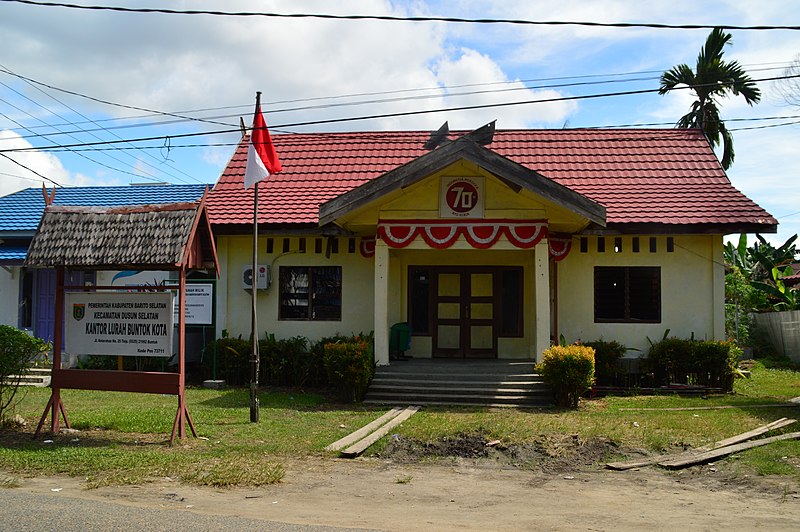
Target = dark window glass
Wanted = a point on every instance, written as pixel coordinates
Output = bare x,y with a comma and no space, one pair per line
286,244
653,245
270,245
310,293
302,242
601,244
317,245
627,294
351,245
617,244
420,301
635,244
584,244
334,245
670,244
511,302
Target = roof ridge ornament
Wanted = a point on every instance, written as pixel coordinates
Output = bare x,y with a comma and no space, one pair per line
438,137
48,198
483,135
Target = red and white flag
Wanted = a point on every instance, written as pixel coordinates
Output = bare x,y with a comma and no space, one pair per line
262,159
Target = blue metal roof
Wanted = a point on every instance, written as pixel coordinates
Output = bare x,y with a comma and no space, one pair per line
12,253
22,210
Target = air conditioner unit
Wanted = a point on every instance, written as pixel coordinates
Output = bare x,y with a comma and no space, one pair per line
263,277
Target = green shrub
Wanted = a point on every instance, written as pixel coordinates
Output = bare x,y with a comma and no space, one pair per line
702,363
350,366
606,356
18,351
569,370
288,362
233,360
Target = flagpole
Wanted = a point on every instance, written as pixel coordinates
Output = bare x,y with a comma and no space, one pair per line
254,357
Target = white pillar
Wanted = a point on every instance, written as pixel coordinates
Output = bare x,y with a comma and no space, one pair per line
541,279
381,303
718,287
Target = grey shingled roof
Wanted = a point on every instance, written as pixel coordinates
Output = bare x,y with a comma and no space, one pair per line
92,237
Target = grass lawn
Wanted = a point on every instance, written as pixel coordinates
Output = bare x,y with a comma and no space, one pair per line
123,437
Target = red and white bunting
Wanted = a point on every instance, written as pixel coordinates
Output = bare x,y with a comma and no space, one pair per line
559,247
442,234
367,246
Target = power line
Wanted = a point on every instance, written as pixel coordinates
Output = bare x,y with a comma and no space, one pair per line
362,102
106,102
29,169
396,18
56,145
168,138
83,130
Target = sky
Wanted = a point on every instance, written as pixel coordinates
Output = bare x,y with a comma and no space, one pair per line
197,74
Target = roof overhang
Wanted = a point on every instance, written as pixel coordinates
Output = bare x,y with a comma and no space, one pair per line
680,228
511,173
148,237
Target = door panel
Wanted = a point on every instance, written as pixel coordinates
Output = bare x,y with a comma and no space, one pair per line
465,310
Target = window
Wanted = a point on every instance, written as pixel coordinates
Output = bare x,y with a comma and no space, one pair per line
419,295
627,294
310,293
511,302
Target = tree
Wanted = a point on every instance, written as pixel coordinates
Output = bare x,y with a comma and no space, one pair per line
789,88
17,353
712,78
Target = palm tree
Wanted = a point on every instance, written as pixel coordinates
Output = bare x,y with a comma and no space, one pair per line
712,78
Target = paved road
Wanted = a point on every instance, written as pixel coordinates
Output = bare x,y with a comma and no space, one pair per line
23,511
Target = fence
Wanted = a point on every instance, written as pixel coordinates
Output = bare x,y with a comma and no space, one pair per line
783,329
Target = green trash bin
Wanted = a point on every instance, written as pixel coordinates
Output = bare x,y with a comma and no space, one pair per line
399,340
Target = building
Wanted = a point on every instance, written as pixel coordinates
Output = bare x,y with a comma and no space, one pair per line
488,244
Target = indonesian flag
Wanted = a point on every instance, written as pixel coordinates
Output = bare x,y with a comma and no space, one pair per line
262,159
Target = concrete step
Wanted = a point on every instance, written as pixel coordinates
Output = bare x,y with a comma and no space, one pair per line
37,377
459,382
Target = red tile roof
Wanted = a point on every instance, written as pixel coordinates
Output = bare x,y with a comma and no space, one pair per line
641,176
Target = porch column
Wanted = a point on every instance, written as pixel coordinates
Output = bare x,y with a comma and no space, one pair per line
718,287
541,275
381,303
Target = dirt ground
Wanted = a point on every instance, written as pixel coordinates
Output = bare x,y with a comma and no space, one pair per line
463,484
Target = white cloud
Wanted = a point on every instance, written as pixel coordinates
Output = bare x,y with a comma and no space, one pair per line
14,177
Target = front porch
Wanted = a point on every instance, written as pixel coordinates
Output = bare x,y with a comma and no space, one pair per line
428,381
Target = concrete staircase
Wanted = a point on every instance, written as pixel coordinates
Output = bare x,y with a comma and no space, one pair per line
39,377
498,383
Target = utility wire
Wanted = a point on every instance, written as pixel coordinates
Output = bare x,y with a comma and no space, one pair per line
29,169
169,138
98,100
83,130
57,145
273,110
396,18
71,135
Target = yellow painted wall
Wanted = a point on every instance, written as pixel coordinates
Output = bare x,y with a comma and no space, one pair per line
691,277
234,303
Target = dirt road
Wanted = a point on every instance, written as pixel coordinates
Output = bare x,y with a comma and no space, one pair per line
470,495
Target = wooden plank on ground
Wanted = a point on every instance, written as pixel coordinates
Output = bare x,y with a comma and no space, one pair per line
643,462
361,446
790,404
725,451
363,431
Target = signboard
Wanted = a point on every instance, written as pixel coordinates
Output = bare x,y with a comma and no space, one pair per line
199,304
461,197
114,323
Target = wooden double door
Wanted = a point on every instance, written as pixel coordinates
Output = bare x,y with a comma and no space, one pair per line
465,307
